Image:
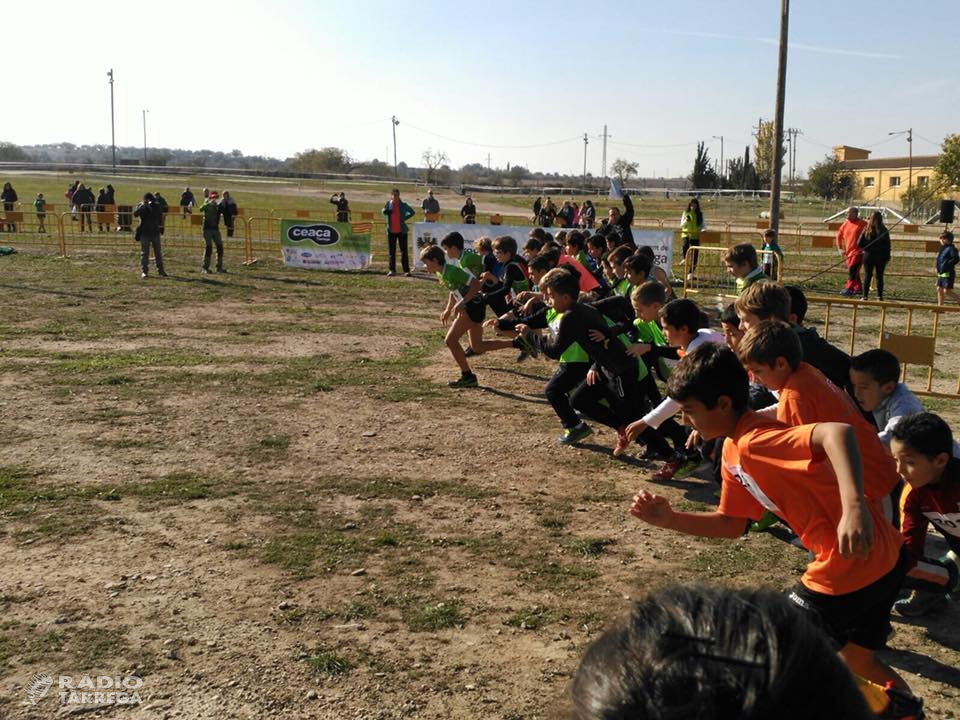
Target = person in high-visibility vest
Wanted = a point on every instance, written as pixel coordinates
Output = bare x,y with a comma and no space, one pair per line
691,225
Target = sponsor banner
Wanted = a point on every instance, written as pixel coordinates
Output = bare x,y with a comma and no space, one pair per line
325,246
426,234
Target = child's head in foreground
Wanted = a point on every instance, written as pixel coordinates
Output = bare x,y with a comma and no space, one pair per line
711,386
681,319
636,269
740,260
483,245
433,258
452,244
762,301
874,376
698,653
648,299
946,237
771,351
561,288
922,445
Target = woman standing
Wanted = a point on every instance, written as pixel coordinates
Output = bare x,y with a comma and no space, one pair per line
875,243
9,197
469,212
691,225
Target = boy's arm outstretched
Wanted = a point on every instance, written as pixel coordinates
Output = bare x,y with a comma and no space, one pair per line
656,510
838,441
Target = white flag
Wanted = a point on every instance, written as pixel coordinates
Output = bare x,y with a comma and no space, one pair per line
615,191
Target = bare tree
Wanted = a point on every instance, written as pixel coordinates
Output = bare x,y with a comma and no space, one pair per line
431,161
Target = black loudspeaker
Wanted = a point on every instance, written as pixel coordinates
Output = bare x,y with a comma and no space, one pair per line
946,211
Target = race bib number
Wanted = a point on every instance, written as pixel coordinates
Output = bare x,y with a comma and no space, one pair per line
949,524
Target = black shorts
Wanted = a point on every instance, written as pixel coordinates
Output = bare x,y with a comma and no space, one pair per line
476,310
947,282
861,617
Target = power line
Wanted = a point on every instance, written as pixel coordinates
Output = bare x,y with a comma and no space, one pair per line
575,138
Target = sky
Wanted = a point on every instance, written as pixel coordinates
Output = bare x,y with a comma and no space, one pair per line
500,81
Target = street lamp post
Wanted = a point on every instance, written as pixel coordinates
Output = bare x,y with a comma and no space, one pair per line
113,135
585,161
722,168
909,133
394,122
145,137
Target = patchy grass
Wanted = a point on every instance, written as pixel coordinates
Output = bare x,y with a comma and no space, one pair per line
329,663
403,488
590,546
532,617
433,617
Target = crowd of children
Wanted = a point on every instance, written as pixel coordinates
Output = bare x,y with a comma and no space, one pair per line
835,448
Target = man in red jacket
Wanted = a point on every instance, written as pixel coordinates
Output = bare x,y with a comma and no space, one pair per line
847,237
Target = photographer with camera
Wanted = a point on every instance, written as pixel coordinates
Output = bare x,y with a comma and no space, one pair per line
148,233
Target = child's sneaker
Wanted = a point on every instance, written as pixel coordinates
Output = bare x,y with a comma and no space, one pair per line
526,343
467,380
765,521
469,351
571,436
669,468
921,602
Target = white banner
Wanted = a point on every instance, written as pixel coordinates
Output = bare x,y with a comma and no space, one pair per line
425,234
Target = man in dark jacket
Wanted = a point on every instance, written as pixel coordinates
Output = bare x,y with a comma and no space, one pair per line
161,202
148,233
343,207
84,201
187,201
228,208
621,222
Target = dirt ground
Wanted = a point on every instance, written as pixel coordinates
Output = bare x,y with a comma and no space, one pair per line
255,493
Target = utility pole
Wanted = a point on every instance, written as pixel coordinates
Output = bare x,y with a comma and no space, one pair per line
605,136
488,161
722,166
393,126
144,137
585,141
789,142
778,118
113,135
909,133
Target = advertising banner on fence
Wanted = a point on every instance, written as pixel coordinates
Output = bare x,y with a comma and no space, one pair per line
325,246
424,234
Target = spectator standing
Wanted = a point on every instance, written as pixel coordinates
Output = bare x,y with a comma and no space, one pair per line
187,202
40,207
110,199
875,244
469,212
397,213
84,202
211,211
430,207
588,215
620,223
148,234
566,215
164,206
70,192
768,249
537,205
847,237
101,207
9,197
947,260
343,207
229,208
691,225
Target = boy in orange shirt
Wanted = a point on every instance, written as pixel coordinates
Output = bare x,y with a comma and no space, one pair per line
847,235
812,477
771,353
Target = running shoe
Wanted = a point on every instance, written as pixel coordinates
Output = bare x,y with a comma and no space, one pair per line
920,603
669,468
469,351
571,436
527,344
522,355
765,521
464,381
